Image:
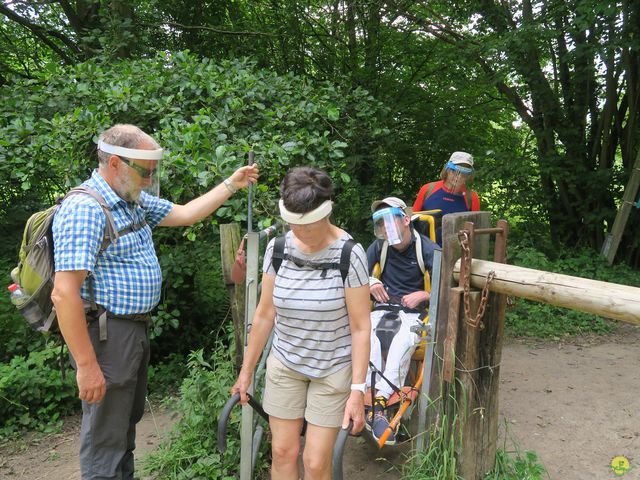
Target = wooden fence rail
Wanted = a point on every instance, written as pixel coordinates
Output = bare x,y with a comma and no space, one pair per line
610,300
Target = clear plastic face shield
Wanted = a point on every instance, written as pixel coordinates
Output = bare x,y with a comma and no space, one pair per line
460,174
387,226
143,166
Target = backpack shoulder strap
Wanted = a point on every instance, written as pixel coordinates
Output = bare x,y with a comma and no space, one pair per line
278,253
134,227
468,197
430,188
419,257
345,258
110,233
383,254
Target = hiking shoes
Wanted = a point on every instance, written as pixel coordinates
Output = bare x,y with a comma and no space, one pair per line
379,426
378,423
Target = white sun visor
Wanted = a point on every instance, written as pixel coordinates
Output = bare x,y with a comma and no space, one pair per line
318,213
137,153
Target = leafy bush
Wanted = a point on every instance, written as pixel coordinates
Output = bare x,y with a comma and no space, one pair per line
546,321
191,451
16,337
532,319
33,394
207,116
165,377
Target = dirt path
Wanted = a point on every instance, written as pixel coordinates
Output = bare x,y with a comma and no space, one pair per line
575,403
55,456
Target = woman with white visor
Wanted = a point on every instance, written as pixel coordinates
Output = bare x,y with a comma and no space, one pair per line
317,365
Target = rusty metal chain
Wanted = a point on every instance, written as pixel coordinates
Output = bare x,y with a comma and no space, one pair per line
463,237
477,322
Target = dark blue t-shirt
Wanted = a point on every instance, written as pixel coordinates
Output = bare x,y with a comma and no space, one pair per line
402,274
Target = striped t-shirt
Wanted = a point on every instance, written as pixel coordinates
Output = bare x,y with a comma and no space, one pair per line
312,334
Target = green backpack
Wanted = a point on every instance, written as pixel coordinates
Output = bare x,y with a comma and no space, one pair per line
35,271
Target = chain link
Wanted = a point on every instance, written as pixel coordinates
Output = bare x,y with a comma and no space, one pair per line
463,237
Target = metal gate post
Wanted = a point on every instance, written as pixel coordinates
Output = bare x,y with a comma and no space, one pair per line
251,300
424,400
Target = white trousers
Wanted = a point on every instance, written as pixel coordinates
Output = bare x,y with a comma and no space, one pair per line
402,346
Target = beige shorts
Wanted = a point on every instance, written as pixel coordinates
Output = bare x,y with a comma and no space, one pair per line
290,395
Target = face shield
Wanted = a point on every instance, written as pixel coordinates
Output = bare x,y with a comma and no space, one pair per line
385,224
460,173
143,166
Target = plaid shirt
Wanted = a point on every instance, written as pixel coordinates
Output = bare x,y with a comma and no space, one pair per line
126,276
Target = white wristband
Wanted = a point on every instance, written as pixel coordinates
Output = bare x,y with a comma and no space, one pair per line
360,387
230,186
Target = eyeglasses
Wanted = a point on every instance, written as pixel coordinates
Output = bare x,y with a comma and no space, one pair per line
143,172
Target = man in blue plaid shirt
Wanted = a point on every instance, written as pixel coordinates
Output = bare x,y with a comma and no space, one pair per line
103,297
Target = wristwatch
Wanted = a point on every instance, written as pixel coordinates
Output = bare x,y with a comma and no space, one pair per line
360,387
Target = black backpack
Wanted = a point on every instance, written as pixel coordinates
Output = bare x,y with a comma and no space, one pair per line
343,265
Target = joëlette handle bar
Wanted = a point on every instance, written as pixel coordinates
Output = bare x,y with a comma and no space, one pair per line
250,162
338,451
223,419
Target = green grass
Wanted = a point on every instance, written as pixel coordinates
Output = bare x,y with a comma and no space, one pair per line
191,450
540,320
438,462
517,465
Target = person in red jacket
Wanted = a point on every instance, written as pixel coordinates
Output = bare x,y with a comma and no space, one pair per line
450,195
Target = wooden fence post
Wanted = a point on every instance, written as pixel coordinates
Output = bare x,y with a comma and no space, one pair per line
479,357
229,243
473,394
451,225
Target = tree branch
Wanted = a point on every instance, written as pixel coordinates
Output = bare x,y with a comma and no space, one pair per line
71,14
217,30
37,30
452,37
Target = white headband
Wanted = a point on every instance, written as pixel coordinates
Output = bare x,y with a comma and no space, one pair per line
137,153
314,215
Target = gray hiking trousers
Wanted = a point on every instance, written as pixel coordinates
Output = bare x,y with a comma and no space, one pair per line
108,432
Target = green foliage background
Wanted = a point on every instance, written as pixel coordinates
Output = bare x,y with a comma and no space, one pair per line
377,93
207,116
